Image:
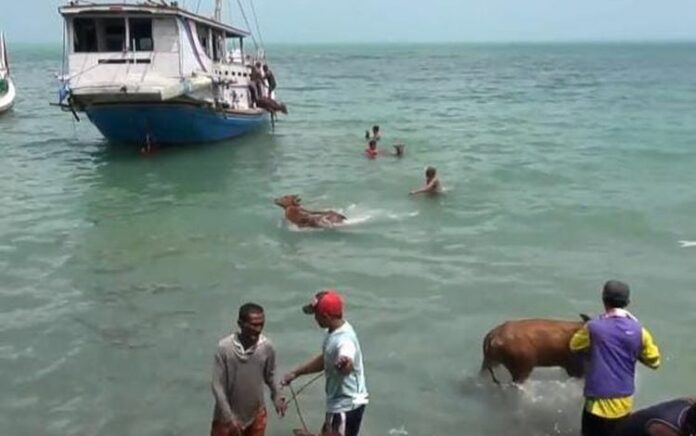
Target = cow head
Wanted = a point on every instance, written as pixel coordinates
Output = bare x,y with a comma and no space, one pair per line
578,361
288,201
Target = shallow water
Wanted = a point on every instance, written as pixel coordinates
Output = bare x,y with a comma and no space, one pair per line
565,165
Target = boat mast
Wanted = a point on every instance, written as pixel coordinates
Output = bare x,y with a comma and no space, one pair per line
4,62
218,10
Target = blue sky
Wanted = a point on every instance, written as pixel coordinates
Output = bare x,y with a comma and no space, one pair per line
317,21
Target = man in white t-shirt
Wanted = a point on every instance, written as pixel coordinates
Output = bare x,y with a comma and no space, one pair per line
341,361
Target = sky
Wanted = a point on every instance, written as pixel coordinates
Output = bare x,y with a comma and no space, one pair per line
407,21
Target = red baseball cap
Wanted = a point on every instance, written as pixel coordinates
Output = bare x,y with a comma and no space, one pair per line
326,302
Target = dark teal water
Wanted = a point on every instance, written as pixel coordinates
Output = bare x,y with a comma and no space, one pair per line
564,166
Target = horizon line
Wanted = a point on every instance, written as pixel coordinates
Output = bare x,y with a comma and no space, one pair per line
444,42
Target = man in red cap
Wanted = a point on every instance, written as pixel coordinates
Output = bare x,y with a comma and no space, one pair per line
341,361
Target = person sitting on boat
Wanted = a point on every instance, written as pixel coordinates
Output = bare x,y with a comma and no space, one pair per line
375,133
371,150
270,81
432,183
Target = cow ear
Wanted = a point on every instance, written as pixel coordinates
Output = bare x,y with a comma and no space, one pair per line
585,317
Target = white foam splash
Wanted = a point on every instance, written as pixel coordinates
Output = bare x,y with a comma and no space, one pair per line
687,244
398,431
355,216
545,404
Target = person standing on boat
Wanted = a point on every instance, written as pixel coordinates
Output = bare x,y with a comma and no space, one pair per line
614,342
270,81
244,361
342,363
258,79
255,80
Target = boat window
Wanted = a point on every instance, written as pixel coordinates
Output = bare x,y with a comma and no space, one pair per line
202,32
141,34
114,34
218,45
84,35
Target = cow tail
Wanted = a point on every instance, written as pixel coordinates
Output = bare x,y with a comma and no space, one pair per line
487,364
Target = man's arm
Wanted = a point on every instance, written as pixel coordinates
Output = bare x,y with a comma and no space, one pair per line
580,340
269,373
315,364
433,185
346,357
659,429
429,187
420,191
218,385
650,354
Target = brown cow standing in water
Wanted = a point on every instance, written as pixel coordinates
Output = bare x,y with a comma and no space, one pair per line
302,217
521,345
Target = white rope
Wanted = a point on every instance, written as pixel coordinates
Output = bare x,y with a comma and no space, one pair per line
256,20
253,39
62,67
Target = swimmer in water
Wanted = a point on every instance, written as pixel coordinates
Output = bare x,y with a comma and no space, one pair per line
432,183
375,133
398,150
371,150
147,148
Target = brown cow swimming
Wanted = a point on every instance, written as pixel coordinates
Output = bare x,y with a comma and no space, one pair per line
302,217
522,345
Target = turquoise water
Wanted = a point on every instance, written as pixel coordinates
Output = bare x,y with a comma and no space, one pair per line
564,166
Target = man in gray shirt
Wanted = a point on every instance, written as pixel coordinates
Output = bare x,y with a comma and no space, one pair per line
243,363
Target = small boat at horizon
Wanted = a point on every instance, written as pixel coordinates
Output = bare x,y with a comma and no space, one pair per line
7,88
154,73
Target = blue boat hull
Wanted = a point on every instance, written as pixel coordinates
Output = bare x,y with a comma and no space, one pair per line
170,123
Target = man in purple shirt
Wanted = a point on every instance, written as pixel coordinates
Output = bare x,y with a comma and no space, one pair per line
614,342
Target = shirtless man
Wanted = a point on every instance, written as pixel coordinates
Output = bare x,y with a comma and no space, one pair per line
432,183
270,80
670,418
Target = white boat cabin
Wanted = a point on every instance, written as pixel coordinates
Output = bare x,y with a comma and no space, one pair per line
153,52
